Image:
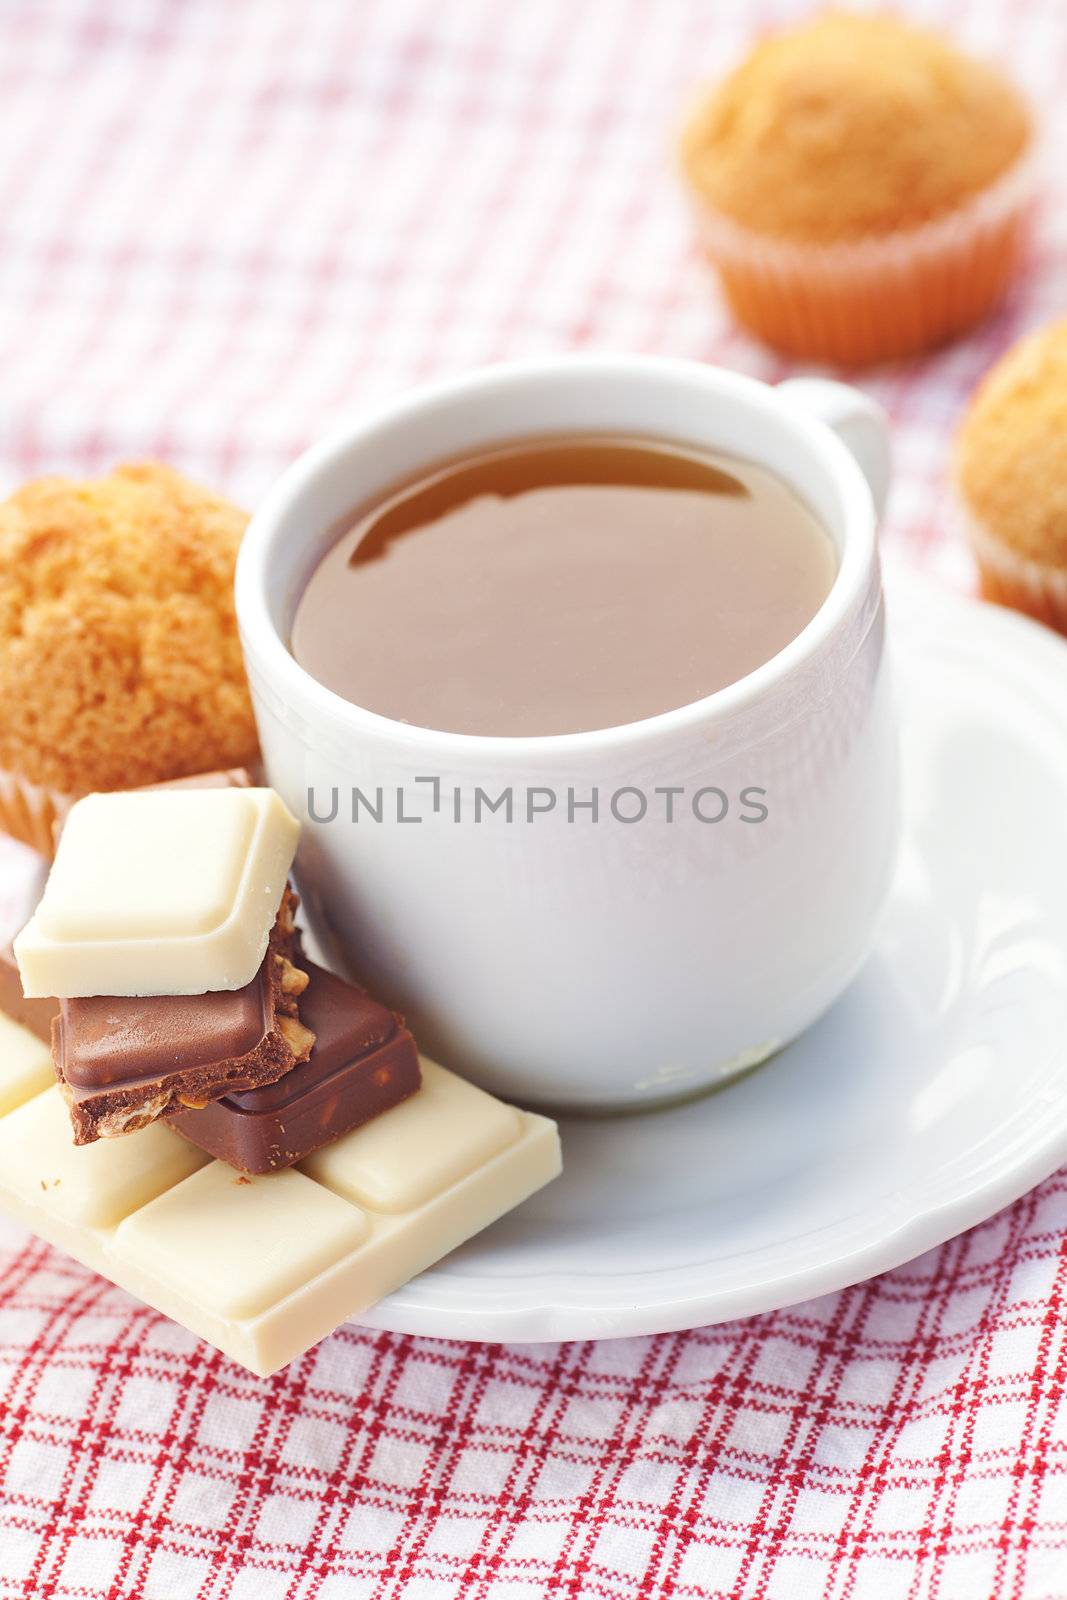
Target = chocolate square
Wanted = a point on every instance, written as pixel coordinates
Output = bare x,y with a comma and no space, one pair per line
122,1061
363,1062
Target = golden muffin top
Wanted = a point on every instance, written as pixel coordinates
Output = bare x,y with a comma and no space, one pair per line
119,660
851,126
1011,454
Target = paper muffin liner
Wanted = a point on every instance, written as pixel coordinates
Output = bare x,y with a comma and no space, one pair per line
34,813
875,299
30,812
1033,587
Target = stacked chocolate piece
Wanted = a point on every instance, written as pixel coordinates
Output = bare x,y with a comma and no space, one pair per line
189,1022
166,934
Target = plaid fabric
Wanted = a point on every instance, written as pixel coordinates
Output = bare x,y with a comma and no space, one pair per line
224,224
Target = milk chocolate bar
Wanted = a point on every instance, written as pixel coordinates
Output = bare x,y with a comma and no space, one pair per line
264,1267
159,892
123,1061
362,1063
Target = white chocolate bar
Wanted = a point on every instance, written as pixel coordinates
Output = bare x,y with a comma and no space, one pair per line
225,778
86,1186
26,1064
265,1267
159,892
446,1130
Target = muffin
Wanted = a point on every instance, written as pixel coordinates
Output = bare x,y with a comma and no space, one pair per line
1011,475
862,188
119,659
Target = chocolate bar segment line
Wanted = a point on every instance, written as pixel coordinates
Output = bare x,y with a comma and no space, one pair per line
87,1186
363,1063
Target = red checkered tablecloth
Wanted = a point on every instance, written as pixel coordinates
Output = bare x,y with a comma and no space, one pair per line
223,225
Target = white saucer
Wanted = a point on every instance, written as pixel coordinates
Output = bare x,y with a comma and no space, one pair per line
933,1094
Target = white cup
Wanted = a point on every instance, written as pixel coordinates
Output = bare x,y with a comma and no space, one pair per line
557,959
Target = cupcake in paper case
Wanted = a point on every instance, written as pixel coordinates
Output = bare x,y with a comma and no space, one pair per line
1011,476
863,189
119,659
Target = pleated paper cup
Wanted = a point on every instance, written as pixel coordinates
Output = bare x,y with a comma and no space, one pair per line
32,813
875,299
1010,579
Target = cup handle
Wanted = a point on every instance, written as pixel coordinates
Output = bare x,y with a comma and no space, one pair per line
859,422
